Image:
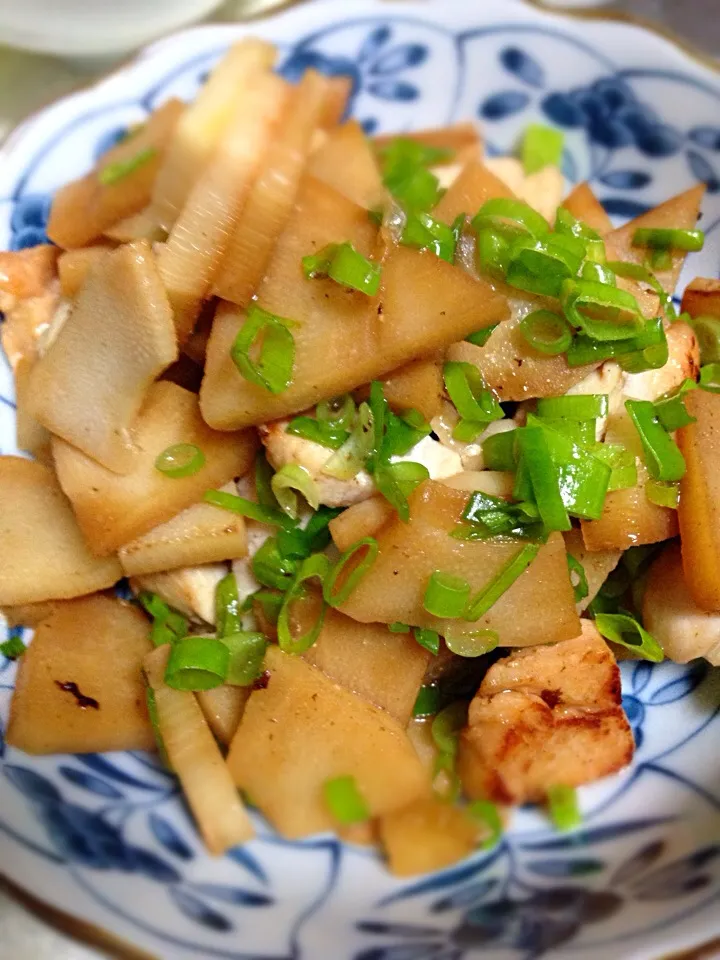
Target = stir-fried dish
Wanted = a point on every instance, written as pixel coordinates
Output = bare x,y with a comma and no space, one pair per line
388,446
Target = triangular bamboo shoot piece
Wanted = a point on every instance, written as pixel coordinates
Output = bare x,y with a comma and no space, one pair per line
347,163
468,193
112,510
582,203
84,209
45,556
270,202
79,687
119,337
200,236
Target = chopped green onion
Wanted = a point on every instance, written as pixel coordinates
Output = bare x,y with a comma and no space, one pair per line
536,455
660,259
324,432
499,452
180,460
493,253
622,463
272,568
470,644
345,801
197,663
227,607
405,152
579,583
351,269
623,629
398,627
509,216
315,567
402,433
247,653
491,592
120,169
710,377
582,407
647,351
340,411
471,397
488,814
269,602
568,225
317,533
543,265
636,271
661,239
600,311
481,337
12,648
598,273
155,724
546,332
263,477
288,482
447,725
350,459
563,807
396,481
663,494
335,598
247,508
378,412
317,265
416,189
671,411
428,639
446,595
273,368
426,233
168,625
541,147
707,331
427,702
662,455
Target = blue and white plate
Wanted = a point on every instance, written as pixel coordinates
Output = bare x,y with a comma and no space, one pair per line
107,838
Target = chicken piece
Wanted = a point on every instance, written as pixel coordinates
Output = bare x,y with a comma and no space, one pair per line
283,448
608,379
29,293
683,363
543,190
544,716
670,614
190,590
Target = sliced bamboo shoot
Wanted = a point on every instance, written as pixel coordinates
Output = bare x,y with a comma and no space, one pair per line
196,759
347,163
585,206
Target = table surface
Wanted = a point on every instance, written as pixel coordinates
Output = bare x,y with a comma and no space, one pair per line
33,80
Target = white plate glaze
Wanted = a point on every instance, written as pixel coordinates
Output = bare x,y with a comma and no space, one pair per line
107,839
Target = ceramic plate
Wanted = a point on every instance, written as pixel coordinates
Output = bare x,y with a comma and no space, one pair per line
107,838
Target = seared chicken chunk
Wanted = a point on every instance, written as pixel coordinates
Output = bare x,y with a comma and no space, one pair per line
543,716
29,295
670,614
190,590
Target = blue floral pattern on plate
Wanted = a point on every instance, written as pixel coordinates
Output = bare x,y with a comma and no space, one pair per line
108,837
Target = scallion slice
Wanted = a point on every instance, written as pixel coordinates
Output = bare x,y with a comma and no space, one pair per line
547,332
402,433
600,311
636,271
197,663
541,147
481,337
491,592
671,410
248,508
397,481
427,702
288,482
168,625
488,814
662,455
424,232
120,169
663,494
340,411
247,653
315,567
336,595
470,395
537,458
342,263
598,273
446,595
428,639
623,629
662,239
563,807
180,460
416,189
492,253
710,377
578,578
499,452
465,643
227,607
447,725
345,801
270,334
581,407
398,627
272,567
12,648
509,216
324,432
543,265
